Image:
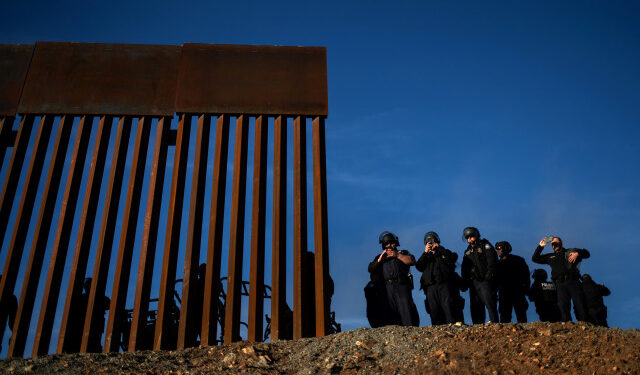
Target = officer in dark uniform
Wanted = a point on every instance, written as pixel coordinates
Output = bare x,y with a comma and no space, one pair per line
545,296
437,265
513,284
393,265
593,294
565,275
479,268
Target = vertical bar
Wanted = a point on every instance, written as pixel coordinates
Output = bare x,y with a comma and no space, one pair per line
127,238
256,278
172,238
149,236
6,125
214,246
61,242
13,176
187,335
234,280
299,221
23,217
94,320
69,339
279,227
39,244
320,223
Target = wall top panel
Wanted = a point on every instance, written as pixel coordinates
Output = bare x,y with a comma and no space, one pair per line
216,78
97,78
14,63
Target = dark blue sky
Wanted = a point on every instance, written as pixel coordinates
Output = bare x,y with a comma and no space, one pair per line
520,118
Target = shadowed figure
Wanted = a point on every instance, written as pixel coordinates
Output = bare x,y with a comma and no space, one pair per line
8,309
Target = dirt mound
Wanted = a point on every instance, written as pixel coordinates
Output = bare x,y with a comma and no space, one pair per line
530,348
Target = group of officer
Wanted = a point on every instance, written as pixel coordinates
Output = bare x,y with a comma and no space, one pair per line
498,283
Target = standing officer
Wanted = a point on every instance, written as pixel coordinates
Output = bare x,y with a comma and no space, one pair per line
593,294
545,296
566,275
479,267
394,265
437,265
513,284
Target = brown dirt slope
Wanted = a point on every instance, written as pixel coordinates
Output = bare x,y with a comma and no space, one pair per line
575,348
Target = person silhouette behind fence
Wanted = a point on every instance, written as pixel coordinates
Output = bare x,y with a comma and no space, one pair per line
8,309
593,294
545,297
77,315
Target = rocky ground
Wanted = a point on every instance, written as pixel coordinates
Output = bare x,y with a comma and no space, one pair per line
550,348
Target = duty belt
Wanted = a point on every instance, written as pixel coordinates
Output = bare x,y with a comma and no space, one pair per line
399,280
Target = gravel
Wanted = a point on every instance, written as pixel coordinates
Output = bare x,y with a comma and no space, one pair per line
531,348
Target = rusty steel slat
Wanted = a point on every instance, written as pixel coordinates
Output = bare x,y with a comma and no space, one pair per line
127,238
25,210
271,80
61,242
39,244
236,238
187,335
279,227
172,237
101,79
72,317
214,245
320,223
149,236
258,215
299,222
94,320
14,64
6,123
13,176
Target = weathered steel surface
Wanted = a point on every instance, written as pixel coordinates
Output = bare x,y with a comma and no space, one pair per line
187,329
68,331
61,242
258,216
39,242
25,209
271,80
149,235
14,64
96,78
214,246
279,227
236,237
320,224
299,222
127,238
172,237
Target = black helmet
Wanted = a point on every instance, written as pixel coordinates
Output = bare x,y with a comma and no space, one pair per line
505,246
388,237
470,232
431,236
539,274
